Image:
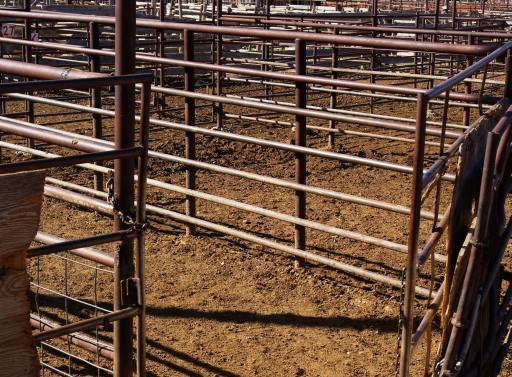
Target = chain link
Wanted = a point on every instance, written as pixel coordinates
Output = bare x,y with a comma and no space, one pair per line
400,322
125,218
65,73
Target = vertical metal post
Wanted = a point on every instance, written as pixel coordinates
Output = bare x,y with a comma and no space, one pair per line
422,54
434,39
27,33
161,15
190,137
412,244
333,99
454,26
94,65
436,15
124,125
161,53
141,219
156,96
454,15
213,60
269,46
375,22
263,65
508,76
2,98
27,55
315,48
218,60
37,55
266,47
468,88
300,139
416,38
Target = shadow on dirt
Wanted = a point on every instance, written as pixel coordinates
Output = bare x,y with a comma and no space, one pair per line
282,319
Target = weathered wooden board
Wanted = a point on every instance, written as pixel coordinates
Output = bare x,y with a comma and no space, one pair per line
20,206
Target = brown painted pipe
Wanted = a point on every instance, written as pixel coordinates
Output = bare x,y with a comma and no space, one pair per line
399,44
83,342
43,72
88,253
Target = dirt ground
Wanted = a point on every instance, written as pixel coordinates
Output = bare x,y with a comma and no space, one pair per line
219,306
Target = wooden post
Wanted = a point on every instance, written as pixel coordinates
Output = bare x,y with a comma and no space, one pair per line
20,205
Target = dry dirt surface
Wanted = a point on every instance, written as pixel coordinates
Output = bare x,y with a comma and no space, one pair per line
218,306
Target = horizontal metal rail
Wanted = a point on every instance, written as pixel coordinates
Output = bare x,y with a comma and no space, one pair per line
233,172
333,114
338,131
83,252
81,139
86,324
93,110
264,105
243,71
83,80
219,68
441,163
347,268
80,340
381,29
266,34
459,77
64,161
67,245
104,207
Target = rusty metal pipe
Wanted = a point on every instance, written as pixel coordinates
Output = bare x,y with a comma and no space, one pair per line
269,34
65,245
459,77
190,119
85,324
104,207
68,160
82,341
88,253
377,29
43,72
224,170
259,104
251,72
300,140
124,137
427,319
353,270
256,141
414,224
78,199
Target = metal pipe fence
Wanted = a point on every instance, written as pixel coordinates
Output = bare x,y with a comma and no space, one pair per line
200,92
70,325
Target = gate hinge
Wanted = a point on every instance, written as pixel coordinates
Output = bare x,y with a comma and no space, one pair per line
131,292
